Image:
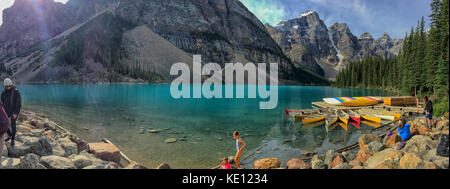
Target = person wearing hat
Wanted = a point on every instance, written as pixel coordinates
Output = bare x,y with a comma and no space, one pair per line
12,103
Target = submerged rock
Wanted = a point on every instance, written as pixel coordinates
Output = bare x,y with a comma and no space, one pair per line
153,131
134,165
170,140
163,166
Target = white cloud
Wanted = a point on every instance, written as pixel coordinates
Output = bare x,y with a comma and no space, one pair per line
268,11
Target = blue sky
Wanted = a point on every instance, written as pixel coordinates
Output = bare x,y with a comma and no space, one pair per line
374,16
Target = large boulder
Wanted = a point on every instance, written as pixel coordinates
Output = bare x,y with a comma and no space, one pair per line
57,162
362,156
348,156
318,164
366,139
337,161
388,157
68,146
422,130
443,148
297,164
81,161
58,150
267,163
30,144
419,144
412,161
105,151
374,147
29,161
9,163
329,156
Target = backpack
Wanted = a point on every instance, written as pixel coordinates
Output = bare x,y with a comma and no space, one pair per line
442,148
4,120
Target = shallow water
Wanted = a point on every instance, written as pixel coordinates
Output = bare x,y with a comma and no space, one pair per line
120,111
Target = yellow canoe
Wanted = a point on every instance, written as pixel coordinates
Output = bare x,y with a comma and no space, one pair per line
371,118
343,117
361,101
313,119
345,126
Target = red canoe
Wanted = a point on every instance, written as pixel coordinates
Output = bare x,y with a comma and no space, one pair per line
354,116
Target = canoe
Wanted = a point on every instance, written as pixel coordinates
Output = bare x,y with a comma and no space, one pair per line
361,101
352,101
312,125
386,117
369,117
331,119
356,125
372,124
343,117
354,116
345,126
310,111
301,116
380,114
313,119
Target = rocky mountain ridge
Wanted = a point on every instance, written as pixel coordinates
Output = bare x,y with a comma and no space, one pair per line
110,40
325,50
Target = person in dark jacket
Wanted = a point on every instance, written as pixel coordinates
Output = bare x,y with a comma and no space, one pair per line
12,103
428,111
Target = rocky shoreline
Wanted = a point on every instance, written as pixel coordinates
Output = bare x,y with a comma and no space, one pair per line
42,144
420,152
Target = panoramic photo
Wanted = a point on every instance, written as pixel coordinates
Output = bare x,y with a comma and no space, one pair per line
224,84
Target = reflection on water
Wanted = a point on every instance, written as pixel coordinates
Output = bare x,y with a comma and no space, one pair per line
120,113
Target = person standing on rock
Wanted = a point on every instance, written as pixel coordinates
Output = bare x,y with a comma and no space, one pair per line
239,148
12,103
4,126
428,112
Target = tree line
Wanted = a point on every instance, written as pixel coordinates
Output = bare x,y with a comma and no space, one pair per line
421,67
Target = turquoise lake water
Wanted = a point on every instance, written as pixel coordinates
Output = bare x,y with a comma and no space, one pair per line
120,111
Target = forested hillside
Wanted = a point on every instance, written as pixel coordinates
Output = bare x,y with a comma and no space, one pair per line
421,68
